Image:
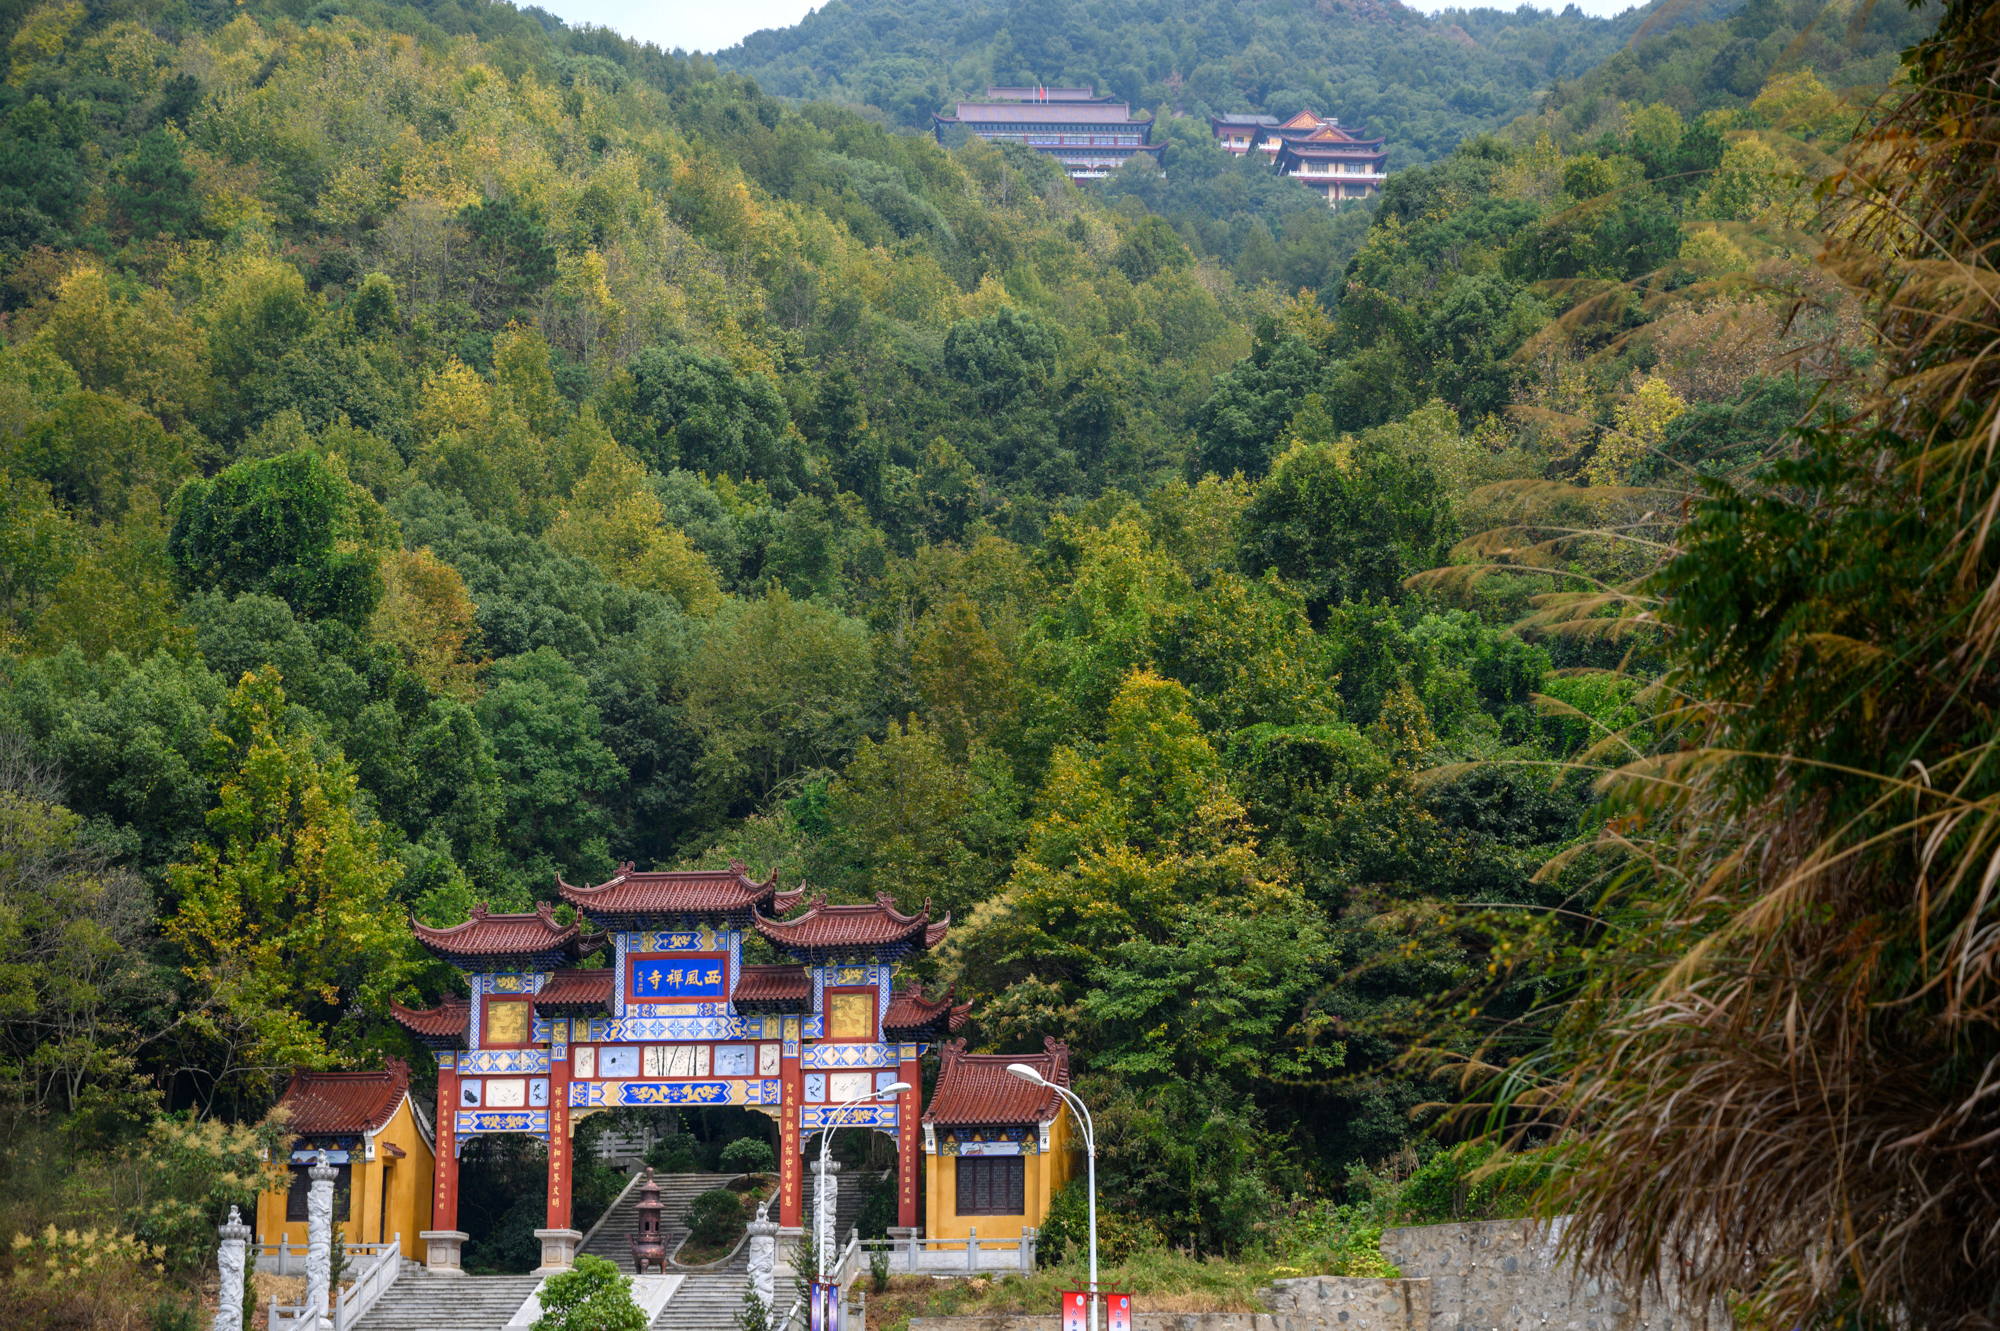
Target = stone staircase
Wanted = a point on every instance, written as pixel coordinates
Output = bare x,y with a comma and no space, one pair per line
419,1301
611,1237
854,1190
710,1298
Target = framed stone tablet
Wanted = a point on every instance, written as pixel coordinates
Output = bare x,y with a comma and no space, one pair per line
850,1016
508,1021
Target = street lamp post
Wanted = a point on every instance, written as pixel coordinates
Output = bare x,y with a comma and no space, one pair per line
820,1218
1034,1078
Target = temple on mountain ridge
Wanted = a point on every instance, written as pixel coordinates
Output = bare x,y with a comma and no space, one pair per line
1340,164
1091,136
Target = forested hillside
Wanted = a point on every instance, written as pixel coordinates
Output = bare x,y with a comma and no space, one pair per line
1425,82
441,450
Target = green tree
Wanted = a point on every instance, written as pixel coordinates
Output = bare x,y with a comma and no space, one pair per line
130,738
590,1296
922,825
1344,526
286,915
555,772
1148,248
153,190
1228,993
776,687
685,408
292,527
1128,838
72,933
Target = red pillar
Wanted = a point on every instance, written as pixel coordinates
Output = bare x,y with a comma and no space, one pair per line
559,1145
791,1168
444,1206
909,1109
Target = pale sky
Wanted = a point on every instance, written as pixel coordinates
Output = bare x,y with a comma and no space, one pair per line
707,26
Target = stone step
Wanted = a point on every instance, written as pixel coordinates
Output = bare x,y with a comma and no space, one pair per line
424,1302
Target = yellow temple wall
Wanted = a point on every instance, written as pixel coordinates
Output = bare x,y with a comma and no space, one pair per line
408,1182
1042,1176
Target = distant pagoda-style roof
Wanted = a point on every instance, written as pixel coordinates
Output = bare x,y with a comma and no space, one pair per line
773,989
1040,94
1328,134
440,1027
976,1090
1044,113
575,993
677,899
489,942
320,1104
1242,121
911,1016
874,931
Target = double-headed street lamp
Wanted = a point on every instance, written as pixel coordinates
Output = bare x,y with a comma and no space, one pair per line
1034,1078
822,1236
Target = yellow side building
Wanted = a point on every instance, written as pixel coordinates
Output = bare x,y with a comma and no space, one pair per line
999,1148
380,1141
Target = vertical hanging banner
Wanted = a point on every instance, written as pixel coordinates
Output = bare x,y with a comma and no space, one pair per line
1075,1315
1117,1312
822,1307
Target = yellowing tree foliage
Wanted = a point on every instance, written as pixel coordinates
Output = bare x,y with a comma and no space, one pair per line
286,912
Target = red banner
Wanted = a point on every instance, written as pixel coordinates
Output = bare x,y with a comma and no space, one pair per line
1075,1311
1117,1312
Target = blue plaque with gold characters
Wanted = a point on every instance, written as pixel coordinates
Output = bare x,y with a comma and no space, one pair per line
655,977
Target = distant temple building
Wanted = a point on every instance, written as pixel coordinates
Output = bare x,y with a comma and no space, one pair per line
1340,164
1091,136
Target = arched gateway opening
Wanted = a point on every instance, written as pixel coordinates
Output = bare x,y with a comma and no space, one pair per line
646,1003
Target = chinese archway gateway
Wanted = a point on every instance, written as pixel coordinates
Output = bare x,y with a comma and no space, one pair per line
675,1018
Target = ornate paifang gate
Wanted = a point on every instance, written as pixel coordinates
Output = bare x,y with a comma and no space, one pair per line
673,1017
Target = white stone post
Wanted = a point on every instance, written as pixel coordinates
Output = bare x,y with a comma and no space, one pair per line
826,1201
319,1238
229,1264
764,1264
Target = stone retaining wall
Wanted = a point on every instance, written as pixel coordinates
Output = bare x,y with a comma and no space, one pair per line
1506,1275
1351,1303
1496,1275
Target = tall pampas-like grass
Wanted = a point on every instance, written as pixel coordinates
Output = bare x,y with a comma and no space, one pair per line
1780,1082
